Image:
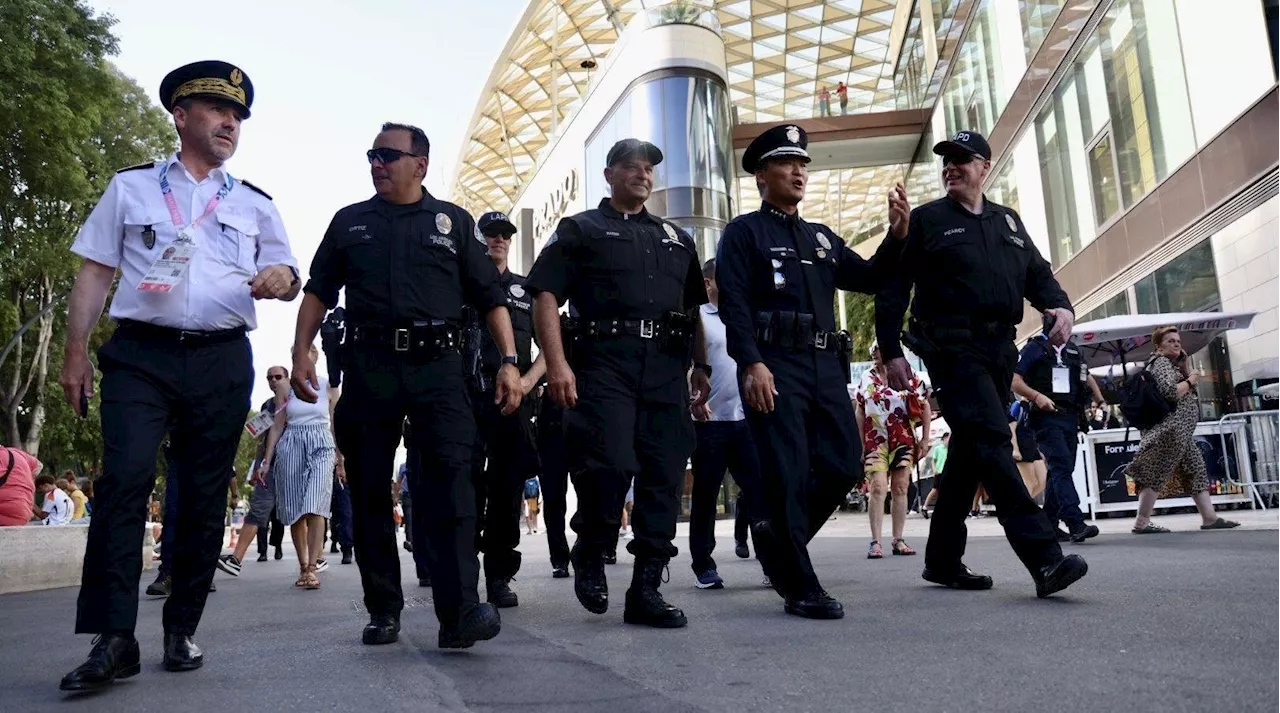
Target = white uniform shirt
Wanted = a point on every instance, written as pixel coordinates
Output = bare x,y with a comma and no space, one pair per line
242,236
725,400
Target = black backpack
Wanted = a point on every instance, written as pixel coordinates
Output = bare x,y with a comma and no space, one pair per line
1142,403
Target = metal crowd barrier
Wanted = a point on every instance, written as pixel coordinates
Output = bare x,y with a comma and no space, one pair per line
1261,476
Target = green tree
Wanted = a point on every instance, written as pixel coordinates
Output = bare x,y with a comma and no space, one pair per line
68,120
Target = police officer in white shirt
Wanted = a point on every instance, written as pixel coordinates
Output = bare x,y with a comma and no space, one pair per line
724,441
195,247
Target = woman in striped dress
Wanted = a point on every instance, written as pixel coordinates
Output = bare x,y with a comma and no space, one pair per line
302,460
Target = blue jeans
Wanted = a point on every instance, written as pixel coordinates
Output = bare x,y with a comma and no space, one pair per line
1056,434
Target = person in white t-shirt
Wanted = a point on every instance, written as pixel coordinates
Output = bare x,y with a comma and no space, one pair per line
57,507
724,441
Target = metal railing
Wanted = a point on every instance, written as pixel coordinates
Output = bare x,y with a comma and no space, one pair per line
1260,450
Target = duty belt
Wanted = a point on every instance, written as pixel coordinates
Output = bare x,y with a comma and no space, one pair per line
185,337
436,337
795,331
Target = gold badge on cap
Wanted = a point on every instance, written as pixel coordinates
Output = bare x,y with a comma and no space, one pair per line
671,232
823,241
236,77
793,134
443,223
1013,224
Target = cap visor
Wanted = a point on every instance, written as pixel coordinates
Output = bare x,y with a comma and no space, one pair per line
500,225
942,148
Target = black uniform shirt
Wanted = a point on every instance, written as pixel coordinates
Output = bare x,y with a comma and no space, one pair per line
403,264
771,261
974,268
520,304
616,266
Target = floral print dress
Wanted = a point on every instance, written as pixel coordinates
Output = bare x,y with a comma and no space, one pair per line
888,431
1168,460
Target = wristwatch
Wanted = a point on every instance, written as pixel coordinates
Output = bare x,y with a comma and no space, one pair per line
703,367
513,361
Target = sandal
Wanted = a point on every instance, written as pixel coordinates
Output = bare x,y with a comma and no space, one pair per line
1150,529
1220,524
302,576
313,581
874,552
900,547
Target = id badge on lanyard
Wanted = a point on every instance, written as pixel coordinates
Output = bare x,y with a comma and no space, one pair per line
259,424
1061,377
170,269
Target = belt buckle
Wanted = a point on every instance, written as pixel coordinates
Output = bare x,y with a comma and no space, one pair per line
400,341
820,340
646,328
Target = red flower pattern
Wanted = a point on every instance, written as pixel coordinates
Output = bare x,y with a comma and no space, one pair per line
887,412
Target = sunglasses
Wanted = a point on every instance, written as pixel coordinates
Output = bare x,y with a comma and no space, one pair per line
275,377
504,236
961,159
387,155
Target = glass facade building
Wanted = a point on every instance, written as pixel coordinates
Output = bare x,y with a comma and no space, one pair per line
685,113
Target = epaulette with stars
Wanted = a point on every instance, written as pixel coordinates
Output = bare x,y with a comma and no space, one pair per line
255,189
148,164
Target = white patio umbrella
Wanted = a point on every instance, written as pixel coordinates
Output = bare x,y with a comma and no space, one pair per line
1127,338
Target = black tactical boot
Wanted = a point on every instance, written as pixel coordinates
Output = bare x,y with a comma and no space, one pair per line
644,605
500,594
589,582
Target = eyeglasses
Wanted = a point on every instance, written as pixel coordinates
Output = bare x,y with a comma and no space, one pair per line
961,159
275,377
504,236
387,155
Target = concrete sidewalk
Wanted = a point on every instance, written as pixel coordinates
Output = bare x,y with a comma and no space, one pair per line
1180,622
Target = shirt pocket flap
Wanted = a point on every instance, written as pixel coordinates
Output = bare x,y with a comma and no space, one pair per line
239,220
144,215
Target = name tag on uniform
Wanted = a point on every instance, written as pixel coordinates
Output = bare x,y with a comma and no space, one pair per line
260,424
1061,380
168,271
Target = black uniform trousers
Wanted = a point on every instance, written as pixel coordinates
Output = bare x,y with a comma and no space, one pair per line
381,387
502,458
340,522
554,480
415,529
1056,434
810,458
972,379
198,393
618,434
721,445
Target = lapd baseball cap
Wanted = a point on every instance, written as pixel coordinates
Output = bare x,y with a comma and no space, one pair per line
632,147
964,142
496,222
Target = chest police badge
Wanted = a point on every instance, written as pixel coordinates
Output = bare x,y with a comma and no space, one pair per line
671,232
149,237
443,223
823,241
1013,224
517,291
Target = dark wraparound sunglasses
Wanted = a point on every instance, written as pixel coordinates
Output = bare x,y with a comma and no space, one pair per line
961,159
504,236
274,377
387,155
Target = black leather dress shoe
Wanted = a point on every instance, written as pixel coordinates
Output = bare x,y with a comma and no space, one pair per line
1057,577
816,605
476,622
560,572
381,629
180,654
963,578
113,656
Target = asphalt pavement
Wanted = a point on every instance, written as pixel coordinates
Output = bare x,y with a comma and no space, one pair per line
1178,622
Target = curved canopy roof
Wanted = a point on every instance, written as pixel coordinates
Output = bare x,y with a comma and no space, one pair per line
780,54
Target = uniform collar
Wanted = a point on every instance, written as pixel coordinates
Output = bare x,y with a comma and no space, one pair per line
777,213
710,308
607,208
217,175
988,208
427,202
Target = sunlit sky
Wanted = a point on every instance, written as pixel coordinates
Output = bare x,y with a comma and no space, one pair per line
326,75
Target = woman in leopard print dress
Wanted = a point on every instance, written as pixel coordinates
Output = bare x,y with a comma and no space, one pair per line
1168,461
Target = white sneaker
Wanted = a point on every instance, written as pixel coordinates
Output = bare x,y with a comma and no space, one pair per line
627,534
321,566
229,564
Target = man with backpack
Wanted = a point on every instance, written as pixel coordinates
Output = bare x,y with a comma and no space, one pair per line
1055,380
